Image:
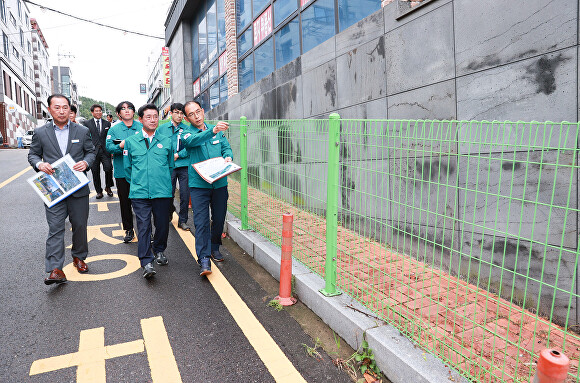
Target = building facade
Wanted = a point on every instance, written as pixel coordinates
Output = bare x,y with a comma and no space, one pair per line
221,47
40,57
18,96
61,82
157,91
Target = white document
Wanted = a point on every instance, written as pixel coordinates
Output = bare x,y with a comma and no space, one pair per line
215,168
54,188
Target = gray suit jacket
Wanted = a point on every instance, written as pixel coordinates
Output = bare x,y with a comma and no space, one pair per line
44,147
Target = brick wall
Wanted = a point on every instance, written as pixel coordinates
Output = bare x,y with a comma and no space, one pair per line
231,47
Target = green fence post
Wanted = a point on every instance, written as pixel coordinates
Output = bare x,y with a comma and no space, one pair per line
332,206
244,174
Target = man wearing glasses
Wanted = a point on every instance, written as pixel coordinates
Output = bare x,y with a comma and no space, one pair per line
148,160
175,130
115,144
207,141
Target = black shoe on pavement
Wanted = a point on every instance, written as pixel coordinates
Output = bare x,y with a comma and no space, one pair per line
183,226
99,195
129,235
205,266
217,256
161,259
149,270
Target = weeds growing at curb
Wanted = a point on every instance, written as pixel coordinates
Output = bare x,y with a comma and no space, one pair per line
312,351
276,305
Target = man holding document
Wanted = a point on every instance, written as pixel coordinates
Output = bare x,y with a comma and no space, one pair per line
207,142
49,143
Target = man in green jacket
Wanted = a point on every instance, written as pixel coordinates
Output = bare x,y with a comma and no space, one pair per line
207,141
175,129
115,144
148,161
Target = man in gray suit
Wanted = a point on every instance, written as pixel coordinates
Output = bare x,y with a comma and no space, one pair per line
49,143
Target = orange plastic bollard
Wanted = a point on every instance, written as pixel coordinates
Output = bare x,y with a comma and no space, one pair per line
285,297
552,367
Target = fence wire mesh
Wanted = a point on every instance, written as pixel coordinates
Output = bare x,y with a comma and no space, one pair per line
462,234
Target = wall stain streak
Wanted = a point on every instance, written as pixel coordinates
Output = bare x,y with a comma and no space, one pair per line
543,72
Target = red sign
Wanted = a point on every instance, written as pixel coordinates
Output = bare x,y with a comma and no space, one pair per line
263,26
196,88
304,2
165,71
223,63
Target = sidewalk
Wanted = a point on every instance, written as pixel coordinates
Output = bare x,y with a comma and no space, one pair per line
486,335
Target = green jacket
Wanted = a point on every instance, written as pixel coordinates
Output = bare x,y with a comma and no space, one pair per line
203,145
120,131
175,134
148,168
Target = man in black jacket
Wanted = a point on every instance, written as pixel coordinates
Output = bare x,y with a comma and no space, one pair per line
99,127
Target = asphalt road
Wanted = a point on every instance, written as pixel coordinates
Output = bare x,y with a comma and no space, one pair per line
172,328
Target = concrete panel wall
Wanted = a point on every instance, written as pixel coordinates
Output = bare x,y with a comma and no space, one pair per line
447,60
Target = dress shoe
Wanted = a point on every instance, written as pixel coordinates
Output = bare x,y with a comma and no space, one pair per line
99,196
56,276
161,259
205,266
80,265
109,192
217,256
129,235
149,270
183,226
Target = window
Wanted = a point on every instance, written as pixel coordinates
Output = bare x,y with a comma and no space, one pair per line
15,52
203,44
223,88
221,16
350,12
21,38
6,45
195,51
259,6
204,80
287,43
19,4
26,21
213,72
264,56
243,13
212,32
24,67
317,24
12,19
3,10
29,47
245,42
214,95
7,85
246,72
283,9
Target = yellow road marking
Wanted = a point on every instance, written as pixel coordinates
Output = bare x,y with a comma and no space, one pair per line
132,264
92,354
102,205
272,356
161,360
2,184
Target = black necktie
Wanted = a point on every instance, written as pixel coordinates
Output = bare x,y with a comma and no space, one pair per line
99,126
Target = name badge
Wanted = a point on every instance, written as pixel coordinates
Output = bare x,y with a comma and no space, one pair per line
160,146
74,141
216,142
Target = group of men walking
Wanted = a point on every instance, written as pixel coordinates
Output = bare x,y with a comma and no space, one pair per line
147,162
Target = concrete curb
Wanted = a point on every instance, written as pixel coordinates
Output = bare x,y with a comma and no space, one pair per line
399,359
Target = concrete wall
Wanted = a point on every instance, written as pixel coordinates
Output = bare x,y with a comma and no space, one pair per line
459,60
180,61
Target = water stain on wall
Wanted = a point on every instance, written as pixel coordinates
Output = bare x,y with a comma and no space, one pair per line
543,73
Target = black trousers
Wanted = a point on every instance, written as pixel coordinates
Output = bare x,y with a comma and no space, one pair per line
126,213
102,157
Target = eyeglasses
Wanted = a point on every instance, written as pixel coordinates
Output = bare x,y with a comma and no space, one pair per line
195,113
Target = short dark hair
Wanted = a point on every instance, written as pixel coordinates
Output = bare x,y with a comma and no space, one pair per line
57,95
177,106
120,106
145,107
95,106
73,108
191,102
110,115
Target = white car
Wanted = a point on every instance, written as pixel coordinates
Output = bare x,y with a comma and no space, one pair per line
27,139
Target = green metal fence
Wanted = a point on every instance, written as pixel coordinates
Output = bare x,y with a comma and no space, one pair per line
462,234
